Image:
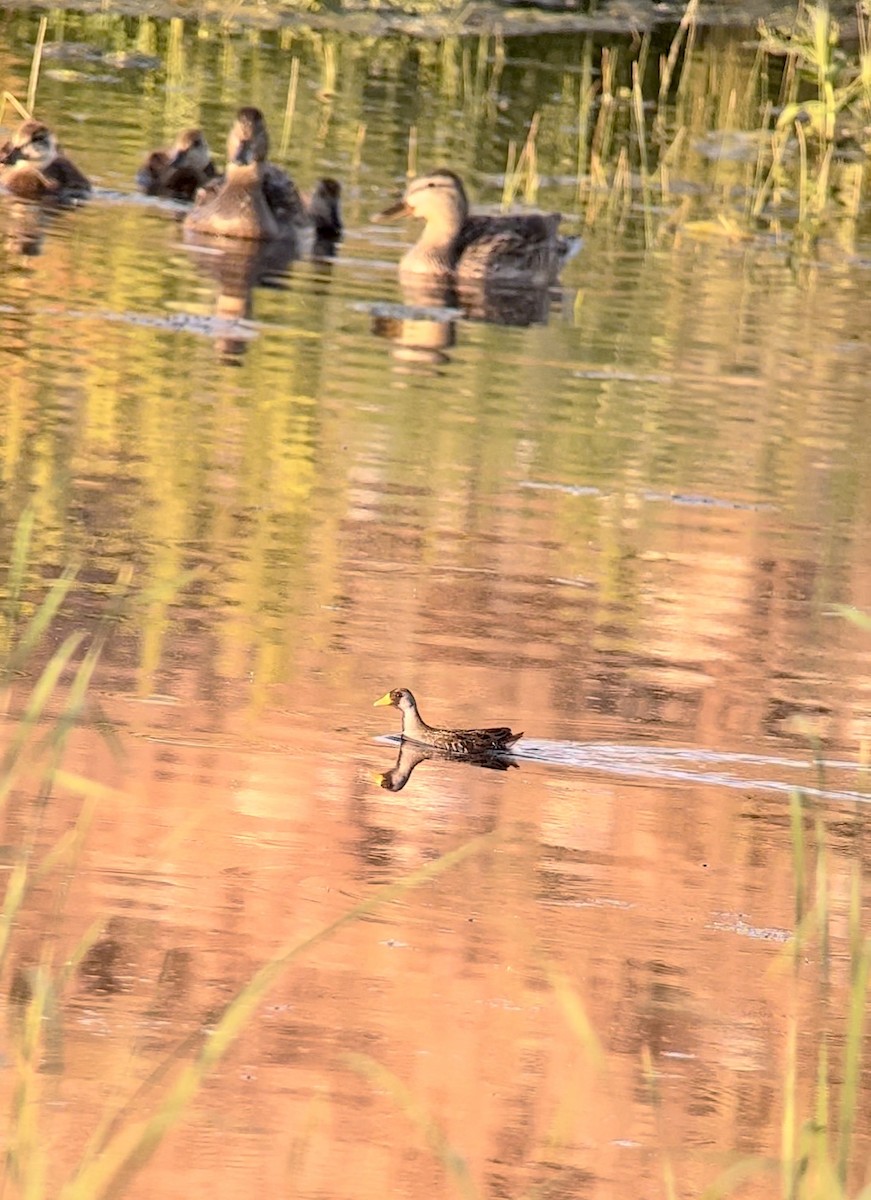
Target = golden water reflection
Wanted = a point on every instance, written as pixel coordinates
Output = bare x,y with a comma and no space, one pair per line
623,524
662,907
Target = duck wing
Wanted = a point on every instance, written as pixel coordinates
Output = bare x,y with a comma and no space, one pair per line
517,245
476,741
30,185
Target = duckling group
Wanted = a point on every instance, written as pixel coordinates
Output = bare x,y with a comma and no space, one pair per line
256,201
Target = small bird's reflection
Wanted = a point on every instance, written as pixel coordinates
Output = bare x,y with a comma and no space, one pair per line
412,754
27,222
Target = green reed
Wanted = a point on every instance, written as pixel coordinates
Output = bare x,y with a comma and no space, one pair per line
35,64
289,107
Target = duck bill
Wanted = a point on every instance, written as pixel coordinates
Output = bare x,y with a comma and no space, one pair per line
10,155
384,700
399,209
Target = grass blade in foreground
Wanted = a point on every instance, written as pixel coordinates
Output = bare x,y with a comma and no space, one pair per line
434,1136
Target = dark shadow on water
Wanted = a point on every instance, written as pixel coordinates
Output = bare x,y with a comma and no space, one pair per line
412,754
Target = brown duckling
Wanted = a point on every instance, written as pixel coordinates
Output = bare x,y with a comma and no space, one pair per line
179,172
32,166
518,248
256,200
456,741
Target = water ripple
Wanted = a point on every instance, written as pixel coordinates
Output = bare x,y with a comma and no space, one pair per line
686,765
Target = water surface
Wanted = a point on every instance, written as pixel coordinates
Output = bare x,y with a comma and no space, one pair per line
620,521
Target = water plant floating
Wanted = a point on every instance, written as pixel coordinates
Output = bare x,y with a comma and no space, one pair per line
457,741
514,248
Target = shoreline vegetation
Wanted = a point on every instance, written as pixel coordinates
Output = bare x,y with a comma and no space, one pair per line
435,19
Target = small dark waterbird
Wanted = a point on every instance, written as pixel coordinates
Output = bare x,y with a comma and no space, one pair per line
493,740
32,166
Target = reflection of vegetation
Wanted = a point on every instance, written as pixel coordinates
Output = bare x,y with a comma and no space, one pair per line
32,772
172,465
818,1157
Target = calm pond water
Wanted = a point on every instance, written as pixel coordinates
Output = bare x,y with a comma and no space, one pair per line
620,520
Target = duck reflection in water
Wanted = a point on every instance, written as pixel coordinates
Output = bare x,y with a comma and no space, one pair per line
25,228
434,305
237,268
412,754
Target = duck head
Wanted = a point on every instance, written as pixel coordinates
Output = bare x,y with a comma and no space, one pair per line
191,150
400,698
248,141
438,196
33,144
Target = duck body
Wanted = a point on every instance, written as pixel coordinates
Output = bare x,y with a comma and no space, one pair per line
491,740
32,167
237,208
255,200
179,172
515,249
